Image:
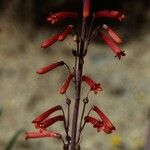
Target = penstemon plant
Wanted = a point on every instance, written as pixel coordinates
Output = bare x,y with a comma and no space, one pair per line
83,35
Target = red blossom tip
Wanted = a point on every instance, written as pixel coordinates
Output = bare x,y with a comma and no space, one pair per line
44,134
112,34
64,34
107,125
48,42
110,14
46,123
86,9
94,86
49,67
65,85
61,16
44,115
112,45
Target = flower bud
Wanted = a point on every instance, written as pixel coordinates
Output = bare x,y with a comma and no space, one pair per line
64,34
86,9
48,42
65,86
49,67
61,16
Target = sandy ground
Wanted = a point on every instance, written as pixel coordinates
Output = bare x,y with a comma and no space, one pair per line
24,94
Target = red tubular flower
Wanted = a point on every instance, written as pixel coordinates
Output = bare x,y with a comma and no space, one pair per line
92,120
65,86
44,134
112,34
50,41
44,115
61,15
110,14
112,45
86,9
49,67
63,35
45,124
94,86
95,122
107,127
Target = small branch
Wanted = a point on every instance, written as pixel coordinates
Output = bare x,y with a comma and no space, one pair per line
82,127
67,67
68,102
94,33
85,101
88,37
66,129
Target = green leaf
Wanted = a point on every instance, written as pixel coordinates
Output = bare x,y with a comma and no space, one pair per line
13,140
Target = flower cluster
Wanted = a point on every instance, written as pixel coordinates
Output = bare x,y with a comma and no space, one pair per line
43,121
82,36
101,124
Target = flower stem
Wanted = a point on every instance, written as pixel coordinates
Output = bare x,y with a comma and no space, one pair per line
78,75
82,115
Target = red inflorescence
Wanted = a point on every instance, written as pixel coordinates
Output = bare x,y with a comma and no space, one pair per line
43,121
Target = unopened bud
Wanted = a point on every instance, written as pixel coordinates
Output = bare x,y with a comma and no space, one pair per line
85,100
68,101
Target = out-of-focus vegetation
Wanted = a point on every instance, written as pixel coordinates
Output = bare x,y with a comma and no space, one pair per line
24,95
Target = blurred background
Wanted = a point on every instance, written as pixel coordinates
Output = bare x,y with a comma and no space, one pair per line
24,94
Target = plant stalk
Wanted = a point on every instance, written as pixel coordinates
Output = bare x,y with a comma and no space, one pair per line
78,75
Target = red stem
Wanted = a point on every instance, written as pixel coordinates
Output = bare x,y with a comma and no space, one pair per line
78,76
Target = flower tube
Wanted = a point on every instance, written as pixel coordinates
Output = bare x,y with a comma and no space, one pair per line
112,45
49,67
94,86
61,16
